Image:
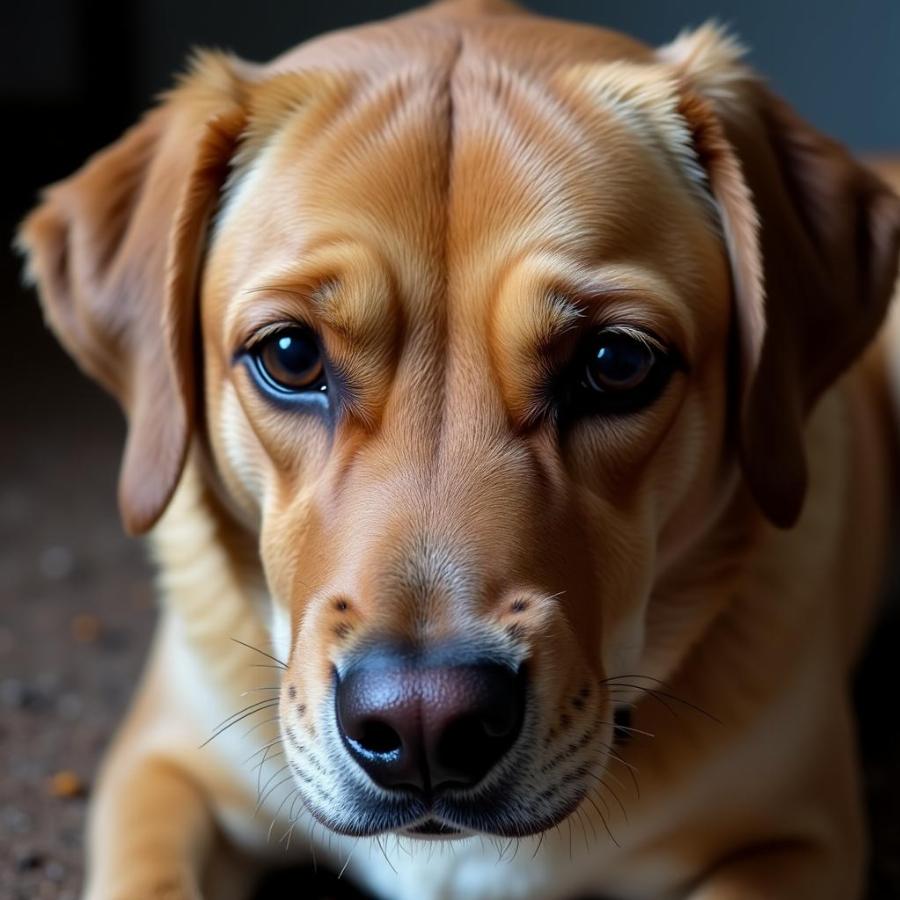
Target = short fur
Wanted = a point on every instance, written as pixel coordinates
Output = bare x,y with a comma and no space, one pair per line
450,198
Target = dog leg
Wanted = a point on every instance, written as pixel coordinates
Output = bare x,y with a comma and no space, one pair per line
784,871
151,832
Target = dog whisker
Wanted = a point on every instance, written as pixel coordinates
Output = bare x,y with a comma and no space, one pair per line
286,837
601,782
249,731
606,773
349,857
231,720
262,795
613,678
632,770
615,796
258,704
588,796
291,815
619,759
629,729
612,837
284,800
265,759
274,659
618,691
272,790
618,682
259,767
261,749
312,844
583,818
384,854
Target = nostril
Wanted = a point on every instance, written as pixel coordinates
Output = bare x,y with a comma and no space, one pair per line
470,745
500,722
461,740
378,738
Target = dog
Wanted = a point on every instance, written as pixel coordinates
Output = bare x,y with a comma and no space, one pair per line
509,410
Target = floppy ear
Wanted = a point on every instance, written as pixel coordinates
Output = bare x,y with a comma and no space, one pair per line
813,240
115,251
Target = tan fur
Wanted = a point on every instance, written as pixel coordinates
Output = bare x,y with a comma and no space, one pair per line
451,198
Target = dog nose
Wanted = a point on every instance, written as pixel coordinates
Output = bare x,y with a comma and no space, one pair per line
414,725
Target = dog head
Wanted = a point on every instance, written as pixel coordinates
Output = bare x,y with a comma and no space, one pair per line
482,323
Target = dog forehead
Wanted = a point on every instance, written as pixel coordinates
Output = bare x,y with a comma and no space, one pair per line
494,164
563,163
450,171
361,164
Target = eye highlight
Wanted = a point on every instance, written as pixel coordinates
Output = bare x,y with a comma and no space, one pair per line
618,370
289,361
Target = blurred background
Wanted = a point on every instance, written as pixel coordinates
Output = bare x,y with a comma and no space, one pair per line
76,597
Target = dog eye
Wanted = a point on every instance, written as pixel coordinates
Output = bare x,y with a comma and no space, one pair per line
620,371
618,362
291,360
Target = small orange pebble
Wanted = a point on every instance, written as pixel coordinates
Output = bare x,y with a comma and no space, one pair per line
66,784
86,628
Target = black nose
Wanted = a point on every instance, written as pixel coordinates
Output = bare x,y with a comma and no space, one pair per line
411,723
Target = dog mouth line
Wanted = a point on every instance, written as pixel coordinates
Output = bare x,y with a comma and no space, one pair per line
449,817
436,823
436,828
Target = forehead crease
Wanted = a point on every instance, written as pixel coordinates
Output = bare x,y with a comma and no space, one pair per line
383,160
512,137
369,171
371,167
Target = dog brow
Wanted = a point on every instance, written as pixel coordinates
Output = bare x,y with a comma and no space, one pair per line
328,306
345,288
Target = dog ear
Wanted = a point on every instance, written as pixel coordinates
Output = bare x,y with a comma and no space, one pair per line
813,239
115,251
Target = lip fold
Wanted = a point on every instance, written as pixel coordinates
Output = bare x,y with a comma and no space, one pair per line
444,819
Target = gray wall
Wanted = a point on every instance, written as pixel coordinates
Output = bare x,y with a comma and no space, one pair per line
838,61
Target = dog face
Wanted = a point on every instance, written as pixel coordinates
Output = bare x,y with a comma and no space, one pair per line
459,422
484,354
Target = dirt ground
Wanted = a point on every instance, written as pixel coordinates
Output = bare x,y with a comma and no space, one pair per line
77,611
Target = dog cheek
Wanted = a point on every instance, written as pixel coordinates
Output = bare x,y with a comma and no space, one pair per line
239,456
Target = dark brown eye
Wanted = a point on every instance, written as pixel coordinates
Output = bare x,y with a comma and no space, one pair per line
616,371
291,360
618,361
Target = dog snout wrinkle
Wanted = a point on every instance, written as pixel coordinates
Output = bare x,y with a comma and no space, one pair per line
428,728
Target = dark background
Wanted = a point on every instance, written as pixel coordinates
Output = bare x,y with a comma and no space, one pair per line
76,599
74,73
